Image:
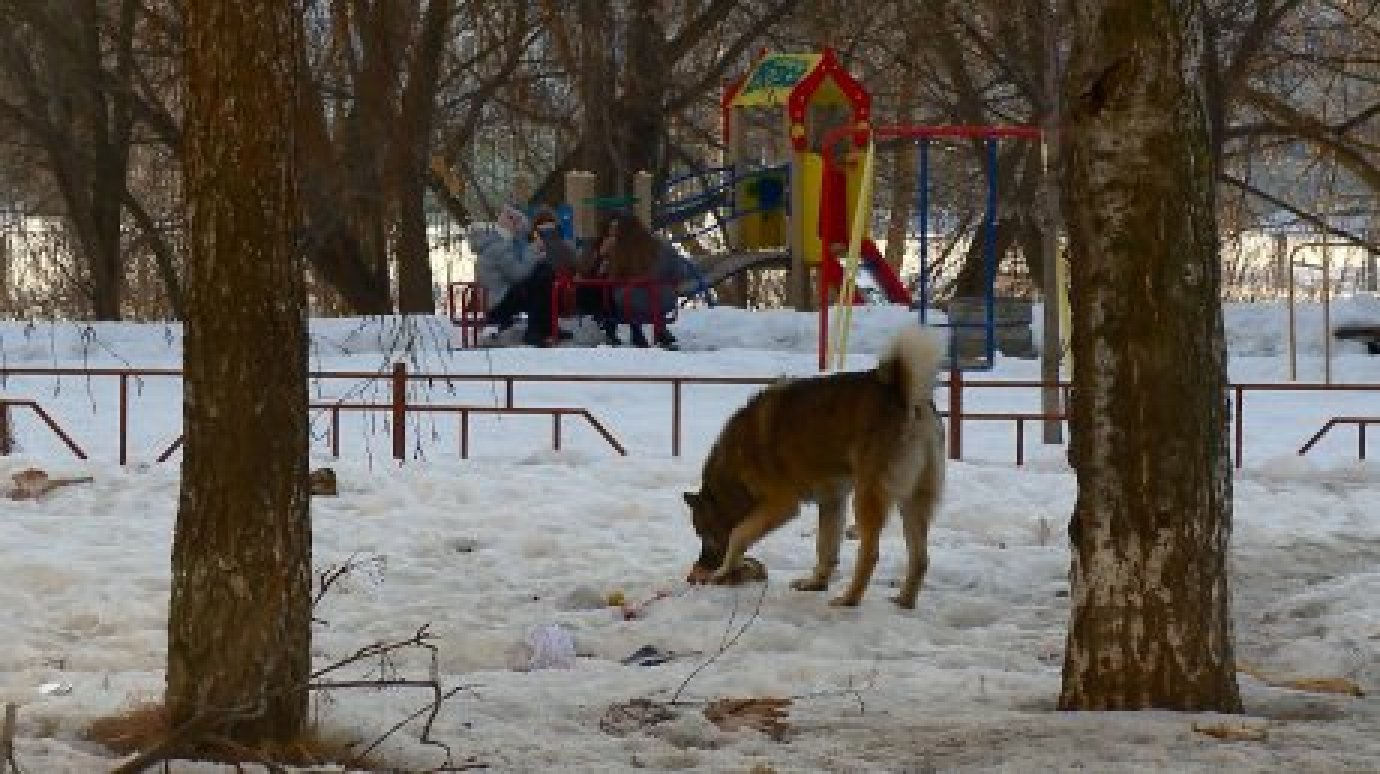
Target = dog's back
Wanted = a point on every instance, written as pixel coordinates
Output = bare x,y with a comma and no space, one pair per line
876,432
800,434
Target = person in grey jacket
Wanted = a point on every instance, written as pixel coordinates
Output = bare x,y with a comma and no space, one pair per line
501,262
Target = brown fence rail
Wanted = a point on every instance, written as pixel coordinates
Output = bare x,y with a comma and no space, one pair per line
1360,422
957,387
10,403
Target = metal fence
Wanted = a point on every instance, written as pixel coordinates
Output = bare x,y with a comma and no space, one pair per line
957,397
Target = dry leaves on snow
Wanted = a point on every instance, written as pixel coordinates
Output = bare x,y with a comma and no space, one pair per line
32,483
1336,685
1232,732
767,715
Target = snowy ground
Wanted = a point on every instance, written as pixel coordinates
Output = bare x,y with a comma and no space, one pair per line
519,536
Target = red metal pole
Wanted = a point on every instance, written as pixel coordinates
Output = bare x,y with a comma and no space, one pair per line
335,433
124,418
399,410
1240,395
464,434
6,445
1020,441
955,411
675,417
556,431
823,320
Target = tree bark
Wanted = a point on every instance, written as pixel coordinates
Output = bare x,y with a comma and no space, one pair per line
412,145
595,85
1150,625
239,625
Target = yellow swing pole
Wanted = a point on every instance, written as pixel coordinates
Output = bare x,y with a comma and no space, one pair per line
843,319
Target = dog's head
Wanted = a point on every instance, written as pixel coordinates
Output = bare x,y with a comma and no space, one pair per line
713,527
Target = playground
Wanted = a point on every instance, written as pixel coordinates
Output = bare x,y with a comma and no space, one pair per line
520,510
521,536
795,193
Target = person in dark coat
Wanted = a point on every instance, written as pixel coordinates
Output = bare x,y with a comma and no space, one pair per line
626,250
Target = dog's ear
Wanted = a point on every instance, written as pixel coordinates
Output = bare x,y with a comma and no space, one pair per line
692,499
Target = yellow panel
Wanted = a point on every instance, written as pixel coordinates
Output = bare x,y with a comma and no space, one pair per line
807,174
853,170
773,78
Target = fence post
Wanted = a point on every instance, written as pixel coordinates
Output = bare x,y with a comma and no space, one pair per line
124,418
6,431
955,410
400,411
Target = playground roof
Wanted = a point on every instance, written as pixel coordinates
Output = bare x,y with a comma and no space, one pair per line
772,79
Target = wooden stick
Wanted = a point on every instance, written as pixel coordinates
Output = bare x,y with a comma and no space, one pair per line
7,739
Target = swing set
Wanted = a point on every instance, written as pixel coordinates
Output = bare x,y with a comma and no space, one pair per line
838,227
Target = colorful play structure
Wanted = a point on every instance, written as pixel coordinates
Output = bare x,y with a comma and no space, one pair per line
795,191
774,196
800,196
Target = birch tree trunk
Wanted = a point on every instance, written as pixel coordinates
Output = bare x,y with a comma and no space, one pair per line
240,614
1151,624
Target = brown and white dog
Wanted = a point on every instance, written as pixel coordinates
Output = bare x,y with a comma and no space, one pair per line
875,433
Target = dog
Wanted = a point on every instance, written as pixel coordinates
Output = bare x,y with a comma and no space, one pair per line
873,433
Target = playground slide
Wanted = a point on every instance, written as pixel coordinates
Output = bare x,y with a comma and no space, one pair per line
885,277
728,266
877,267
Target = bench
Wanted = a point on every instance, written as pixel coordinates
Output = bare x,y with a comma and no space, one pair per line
469,307
563,301
1369,334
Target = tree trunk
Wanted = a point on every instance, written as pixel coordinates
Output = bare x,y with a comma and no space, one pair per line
239,625
595,85
642,113
1151,624
903,174
412,147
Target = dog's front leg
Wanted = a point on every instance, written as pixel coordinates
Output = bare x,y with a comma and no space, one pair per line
827,540
763,518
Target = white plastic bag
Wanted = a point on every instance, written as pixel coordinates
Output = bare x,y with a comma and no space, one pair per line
547,646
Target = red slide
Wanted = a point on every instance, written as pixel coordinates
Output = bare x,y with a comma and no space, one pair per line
881,271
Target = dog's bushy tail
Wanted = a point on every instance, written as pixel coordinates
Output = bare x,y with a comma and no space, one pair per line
911,363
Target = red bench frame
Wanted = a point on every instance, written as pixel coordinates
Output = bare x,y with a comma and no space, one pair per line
563,300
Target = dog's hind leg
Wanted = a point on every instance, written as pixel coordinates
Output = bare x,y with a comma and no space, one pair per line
917,512
870,504
764,517
832,500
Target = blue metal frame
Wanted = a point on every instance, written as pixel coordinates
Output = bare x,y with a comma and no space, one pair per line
989,250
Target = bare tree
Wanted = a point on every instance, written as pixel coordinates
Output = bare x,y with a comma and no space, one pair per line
78,95
239,625
1151,618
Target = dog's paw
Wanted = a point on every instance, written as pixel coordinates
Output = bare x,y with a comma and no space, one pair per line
903,603
844,601
809,584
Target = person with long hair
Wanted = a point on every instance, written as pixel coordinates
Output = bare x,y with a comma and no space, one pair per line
625,249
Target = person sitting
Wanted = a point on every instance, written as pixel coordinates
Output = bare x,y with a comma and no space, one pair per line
500,265
624,250
514,269
552,257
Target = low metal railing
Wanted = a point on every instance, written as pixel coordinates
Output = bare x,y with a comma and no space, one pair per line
1360,422
400,407
8,403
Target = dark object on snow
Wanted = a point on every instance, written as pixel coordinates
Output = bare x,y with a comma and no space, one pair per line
648,655
323,483
1367,333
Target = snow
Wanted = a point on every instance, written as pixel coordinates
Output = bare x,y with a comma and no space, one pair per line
487,550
